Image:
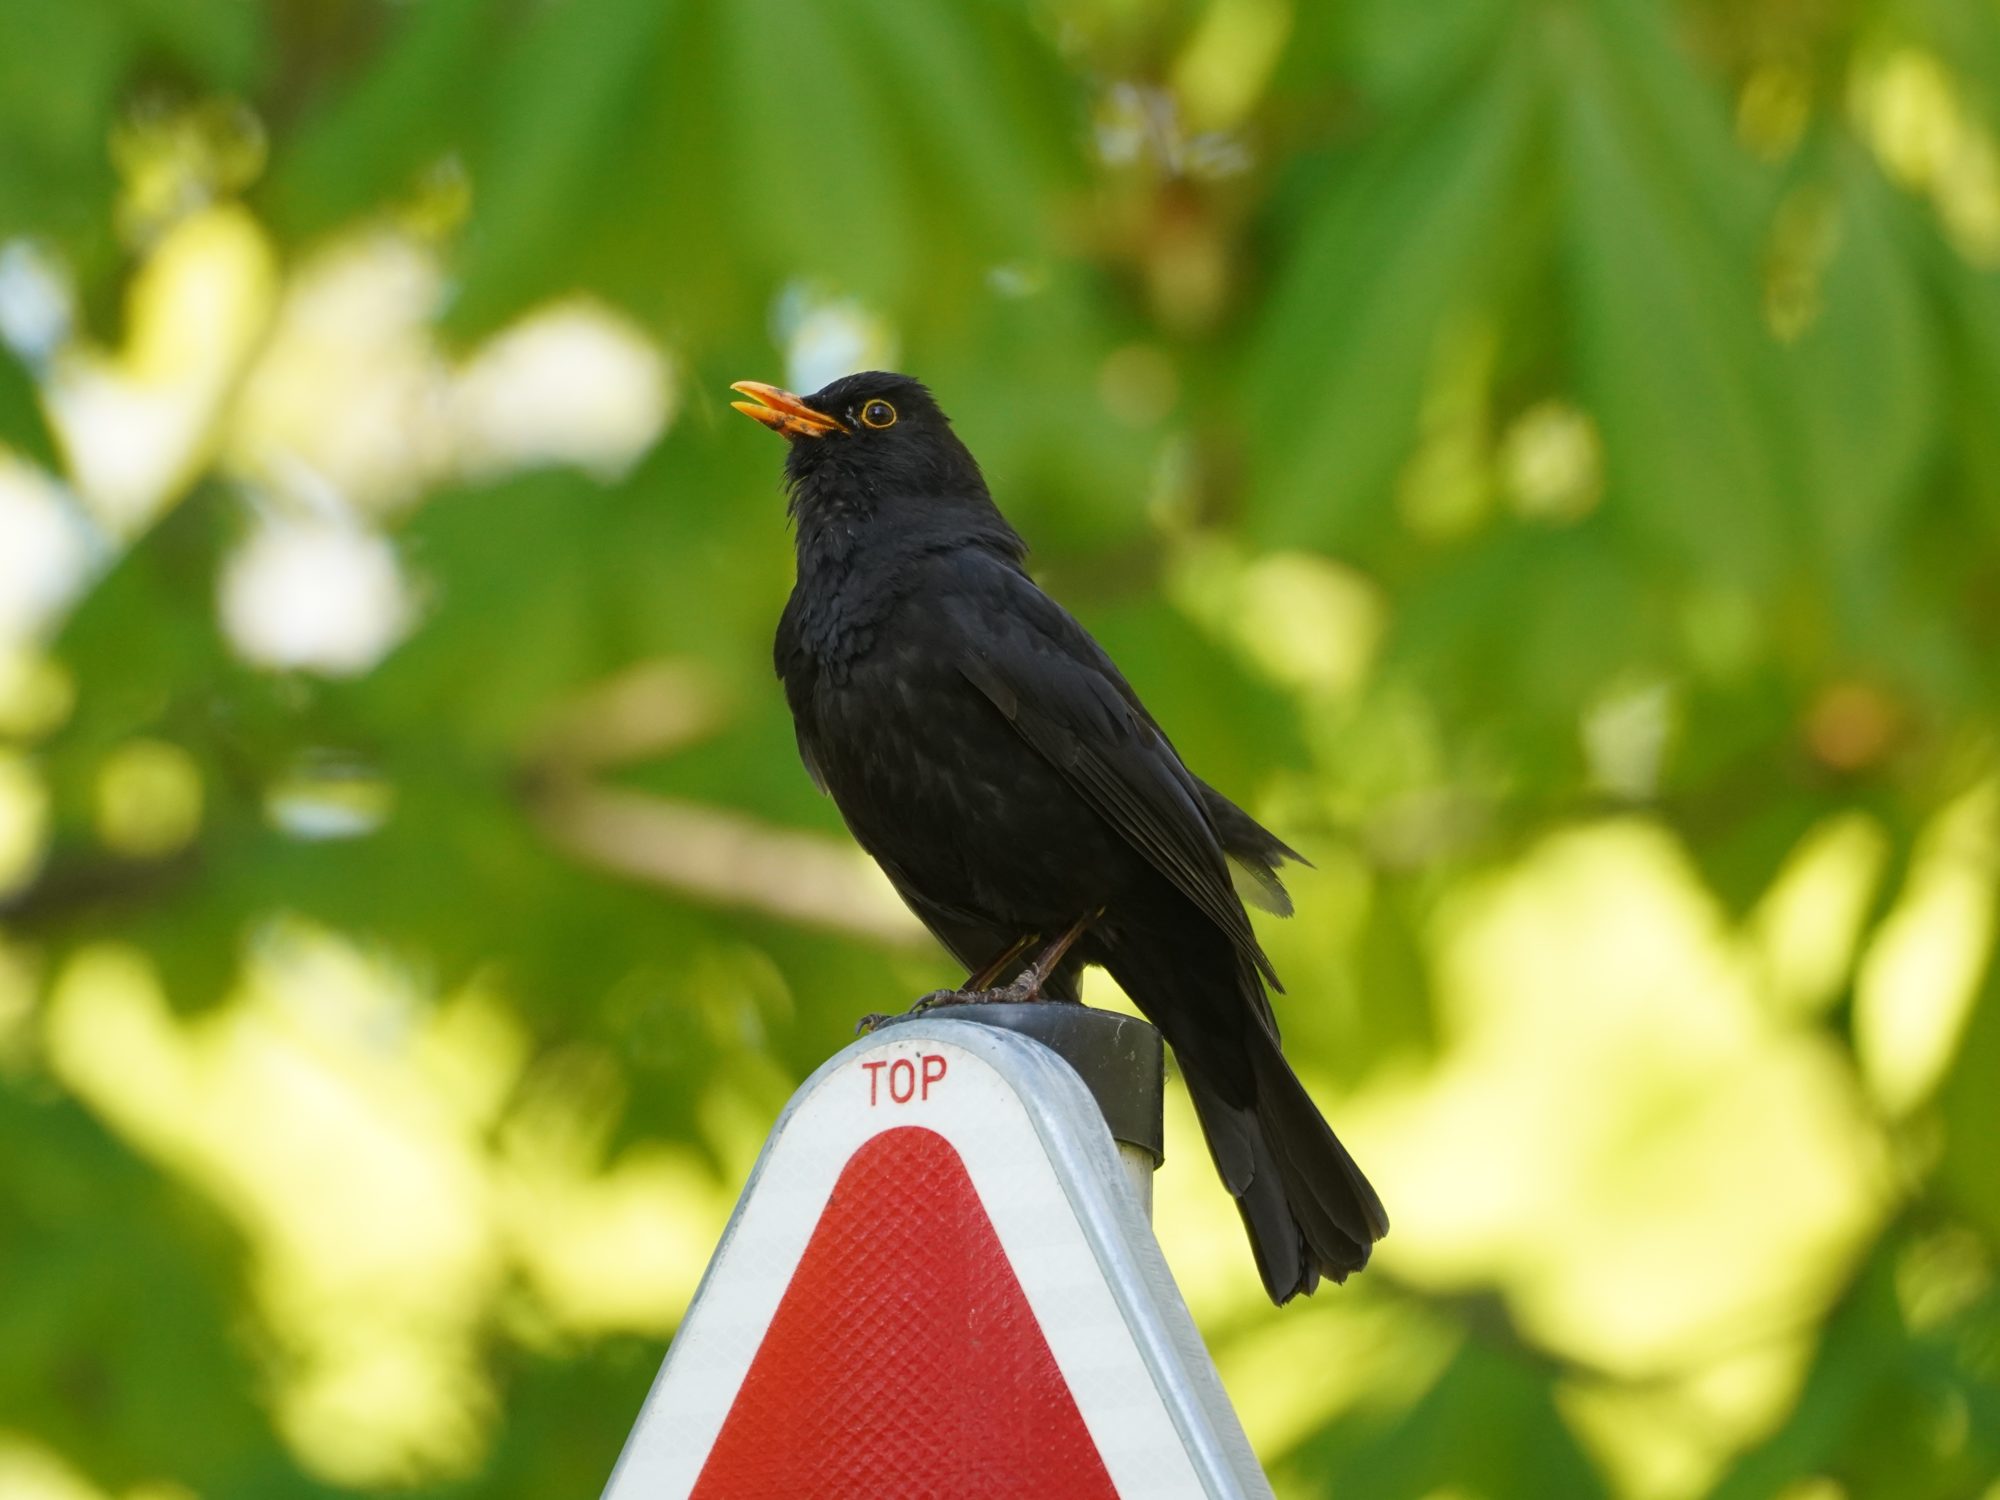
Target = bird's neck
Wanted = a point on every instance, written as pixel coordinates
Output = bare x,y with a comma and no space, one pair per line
831,550
854,573
827,546
843,524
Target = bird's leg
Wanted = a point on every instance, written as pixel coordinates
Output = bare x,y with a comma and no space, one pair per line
978,984
976,988
1029,985
983,980
979,988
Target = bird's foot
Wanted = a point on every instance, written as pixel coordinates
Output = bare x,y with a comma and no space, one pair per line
945,997
876,1020
1024,989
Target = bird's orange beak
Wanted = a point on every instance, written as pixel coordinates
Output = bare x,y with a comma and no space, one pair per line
783,412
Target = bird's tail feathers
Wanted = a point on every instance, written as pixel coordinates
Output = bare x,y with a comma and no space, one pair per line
1308,1209
1253,851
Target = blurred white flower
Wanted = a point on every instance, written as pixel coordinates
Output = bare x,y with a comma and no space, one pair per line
826,337
321,594
45,549
37,304
1552,463
24,821
573,383
350,392
1017,279
354,395
137,424
1626,733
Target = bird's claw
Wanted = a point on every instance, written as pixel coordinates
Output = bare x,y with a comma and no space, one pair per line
876,1020
1025,989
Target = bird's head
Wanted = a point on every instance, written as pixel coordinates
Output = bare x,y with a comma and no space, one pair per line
870,446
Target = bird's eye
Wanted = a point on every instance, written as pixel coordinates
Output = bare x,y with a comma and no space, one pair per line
878,414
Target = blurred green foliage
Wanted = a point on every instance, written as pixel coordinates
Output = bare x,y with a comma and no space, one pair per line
1488,433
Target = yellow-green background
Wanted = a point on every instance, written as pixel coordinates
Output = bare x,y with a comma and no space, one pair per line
1542,457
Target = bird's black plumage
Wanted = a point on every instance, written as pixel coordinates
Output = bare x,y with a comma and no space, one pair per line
985,750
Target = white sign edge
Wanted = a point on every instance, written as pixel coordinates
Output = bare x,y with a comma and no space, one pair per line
1085,1164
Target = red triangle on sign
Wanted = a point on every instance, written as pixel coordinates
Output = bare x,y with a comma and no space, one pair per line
904,1360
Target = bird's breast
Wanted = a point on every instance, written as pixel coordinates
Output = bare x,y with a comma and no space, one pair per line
928,774
832,636
935,783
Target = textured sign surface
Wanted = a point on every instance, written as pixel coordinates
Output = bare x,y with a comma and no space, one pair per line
904,1358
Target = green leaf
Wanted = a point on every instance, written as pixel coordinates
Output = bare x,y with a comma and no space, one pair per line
219,42
579,80
123,1296
65,72
407,108
1489,1426
1890,1411
23,426
60,67
1866,373
686,160
1400,56
1387,249
1671,358
1970,1105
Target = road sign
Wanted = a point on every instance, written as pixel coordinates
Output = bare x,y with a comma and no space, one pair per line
937,1283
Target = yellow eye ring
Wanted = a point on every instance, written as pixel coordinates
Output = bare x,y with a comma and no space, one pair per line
878,414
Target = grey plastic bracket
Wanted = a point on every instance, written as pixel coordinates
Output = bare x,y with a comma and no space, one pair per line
1119,1058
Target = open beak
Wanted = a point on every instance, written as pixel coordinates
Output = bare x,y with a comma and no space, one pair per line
783,412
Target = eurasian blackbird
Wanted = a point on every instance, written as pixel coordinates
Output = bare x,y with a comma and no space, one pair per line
983,748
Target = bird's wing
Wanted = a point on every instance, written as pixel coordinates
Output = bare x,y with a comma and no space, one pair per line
1254,852
794,671
972,942
1064,696
808,759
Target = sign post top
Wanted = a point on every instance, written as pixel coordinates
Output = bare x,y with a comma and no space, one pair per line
937,1281
1119,1058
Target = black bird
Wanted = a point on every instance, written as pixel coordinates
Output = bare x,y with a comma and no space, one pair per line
984,749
